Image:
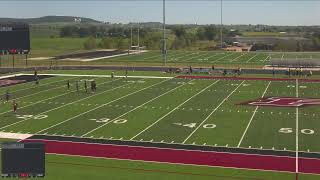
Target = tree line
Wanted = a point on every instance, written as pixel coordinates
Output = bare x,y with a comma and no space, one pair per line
178,36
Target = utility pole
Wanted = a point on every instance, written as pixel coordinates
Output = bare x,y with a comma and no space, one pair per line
138,37
130,38
164,48
221,25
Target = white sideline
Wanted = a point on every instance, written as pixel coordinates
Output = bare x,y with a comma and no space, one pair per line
7,135
132,110
174,110
8,76
173,149
254,113
200,125
98,107
102,57
229,147
94,75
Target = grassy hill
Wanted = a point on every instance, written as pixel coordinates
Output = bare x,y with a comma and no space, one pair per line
49,19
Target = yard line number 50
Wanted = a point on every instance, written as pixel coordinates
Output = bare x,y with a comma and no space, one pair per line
290,130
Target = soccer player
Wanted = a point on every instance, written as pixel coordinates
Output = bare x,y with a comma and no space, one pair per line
77,86
85,86
35,73
239,71
224,72
273,72
190,69
112,75
7,95
37,80
68,84
126,73
94,86
15,106
310,73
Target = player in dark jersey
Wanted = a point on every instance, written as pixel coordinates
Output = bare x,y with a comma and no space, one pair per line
112,76
15,106
85,86
94,86
37,80
7,95
126,73
77,86
68,84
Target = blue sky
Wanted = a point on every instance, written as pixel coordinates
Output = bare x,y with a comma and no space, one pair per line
272,12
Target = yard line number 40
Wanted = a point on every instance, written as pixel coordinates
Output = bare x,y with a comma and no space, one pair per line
193,125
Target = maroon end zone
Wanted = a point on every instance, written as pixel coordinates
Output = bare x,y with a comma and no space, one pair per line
182,156
283,102
8,82
247,78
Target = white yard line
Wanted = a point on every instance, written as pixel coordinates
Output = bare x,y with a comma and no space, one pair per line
266,58
186,54
174,109
69,103
38,102
216,54
194,58
200,125
297,130
223,57
252,57
39,92
238,57
254,113
133,109
282,56
78,75
99,107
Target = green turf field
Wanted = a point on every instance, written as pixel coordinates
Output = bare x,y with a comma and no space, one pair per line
154,58
201,112
166,110
215,57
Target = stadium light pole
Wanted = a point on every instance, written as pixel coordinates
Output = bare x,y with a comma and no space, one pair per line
221,24
164,48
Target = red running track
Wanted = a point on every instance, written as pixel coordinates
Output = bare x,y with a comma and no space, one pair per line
220,159
248,78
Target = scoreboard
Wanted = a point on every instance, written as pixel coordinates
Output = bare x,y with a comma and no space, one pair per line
23,159
14,38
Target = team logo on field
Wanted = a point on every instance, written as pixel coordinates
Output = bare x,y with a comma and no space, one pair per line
7,82
283,102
